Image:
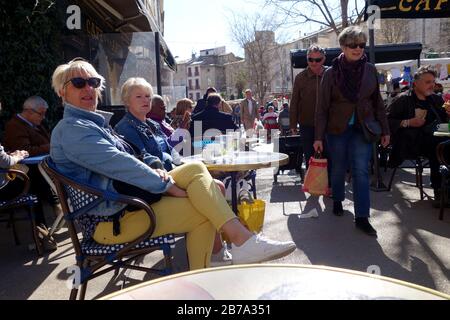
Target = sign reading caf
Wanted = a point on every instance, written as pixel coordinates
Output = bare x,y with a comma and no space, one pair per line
410,9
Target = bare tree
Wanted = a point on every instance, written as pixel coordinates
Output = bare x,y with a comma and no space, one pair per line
256,34
393,31
331,14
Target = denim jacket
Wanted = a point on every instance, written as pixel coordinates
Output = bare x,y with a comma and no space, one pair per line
83,148
147,137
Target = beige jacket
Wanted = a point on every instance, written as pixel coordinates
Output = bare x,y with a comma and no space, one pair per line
247,118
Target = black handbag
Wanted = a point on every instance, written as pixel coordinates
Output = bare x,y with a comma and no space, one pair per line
371,130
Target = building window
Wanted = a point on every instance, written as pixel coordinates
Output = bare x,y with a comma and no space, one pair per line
191,96
190,84
189,72
198,95
197,84
196,71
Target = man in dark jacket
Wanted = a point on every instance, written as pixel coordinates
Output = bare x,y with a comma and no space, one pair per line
201,104
305,96
211,118
413,116
25,131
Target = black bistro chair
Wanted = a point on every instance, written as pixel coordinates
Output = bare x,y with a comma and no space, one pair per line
92,258
22,200
443,155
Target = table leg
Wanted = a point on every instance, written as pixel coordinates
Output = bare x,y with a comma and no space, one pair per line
234,199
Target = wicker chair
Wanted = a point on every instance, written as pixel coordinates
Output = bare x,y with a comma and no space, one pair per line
94,259
22,200
443,155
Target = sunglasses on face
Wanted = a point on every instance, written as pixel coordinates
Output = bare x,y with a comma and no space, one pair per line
315,59
80,83
355,45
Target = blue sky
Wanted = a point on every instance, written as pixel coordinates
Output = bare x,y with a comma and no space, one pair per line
193,25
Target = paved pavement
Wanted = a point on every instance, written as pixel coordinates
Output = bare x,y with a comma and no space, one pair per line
412,245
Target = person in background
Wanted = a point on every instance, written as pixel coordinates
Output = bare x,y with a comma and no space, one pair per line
283,119
201,104
140,132
350,96
212,118
182,114
158,114
26,131
411,116
249,112
305,97
82,147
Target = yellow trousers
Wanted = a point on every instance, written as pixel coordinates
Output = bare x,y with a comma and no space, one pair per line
200,215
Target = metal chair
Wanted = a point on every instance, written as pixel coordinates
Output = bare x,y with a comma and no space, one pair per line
419,164
94,259
443,156
22,200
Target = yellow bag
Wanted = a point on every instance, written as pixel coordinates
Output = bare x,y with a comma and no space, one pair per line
251,211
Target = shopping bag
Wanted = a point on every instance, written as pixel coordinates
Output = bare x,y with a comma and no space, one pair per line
316,179
251,211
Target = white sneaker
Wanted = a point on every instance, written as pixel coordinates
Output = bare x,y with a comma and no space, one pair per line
221,258
260,249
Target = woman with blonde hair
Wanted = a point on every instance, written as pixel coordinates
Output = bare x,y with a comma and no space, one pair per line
82,147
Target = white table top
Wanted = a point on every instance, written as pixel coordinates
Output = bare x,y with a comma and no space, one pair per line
276,282
242,161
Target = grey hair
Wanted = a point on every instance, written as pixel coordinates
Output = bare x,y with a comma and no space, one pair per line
157,99
351,35
424,70
35,102
315,48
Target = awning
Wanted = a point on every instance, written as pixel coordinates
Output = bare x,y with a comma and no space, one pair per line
134,16
412,9
383,53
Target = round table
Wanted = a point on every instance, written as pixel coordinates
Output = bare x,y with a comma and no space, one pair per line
240,161
276,282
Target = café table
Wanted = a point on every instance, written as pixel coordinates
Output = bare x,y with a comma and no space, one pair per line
276,282
237,162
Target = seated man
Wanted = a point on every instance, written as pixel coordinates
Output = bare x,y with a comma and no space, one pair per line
283,119
212,118
412,118
158,114
25,131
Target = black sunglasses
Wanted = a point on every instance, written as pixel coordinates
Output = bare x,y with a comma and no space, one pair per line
354,45
315,59
79,83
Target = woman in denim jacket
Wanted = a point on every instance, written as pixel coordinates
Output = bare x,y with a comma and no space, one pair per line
83,148
143,133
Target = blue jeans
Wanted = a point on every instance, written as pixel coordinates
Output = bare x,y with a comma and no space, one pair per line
350,149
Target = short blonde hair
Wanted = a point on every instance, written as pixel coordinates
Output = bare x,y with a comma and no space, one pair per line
132,83
183,105
67,71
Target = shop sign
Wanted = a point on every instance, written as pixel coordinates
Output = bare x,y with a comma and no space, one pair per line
412,9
